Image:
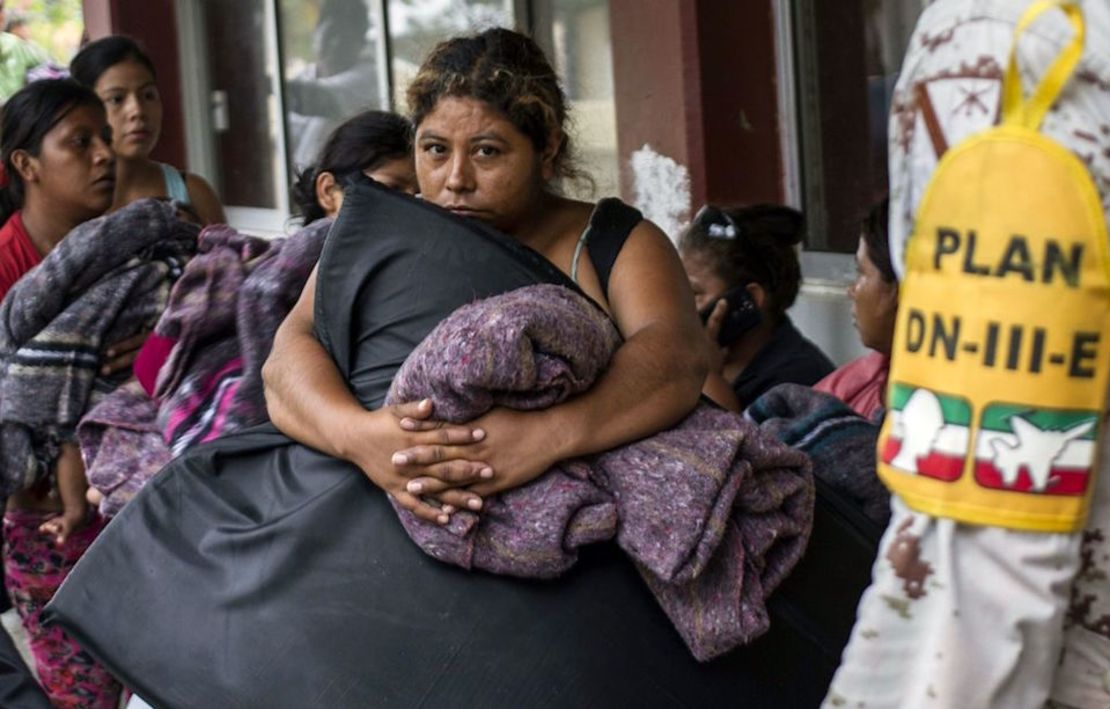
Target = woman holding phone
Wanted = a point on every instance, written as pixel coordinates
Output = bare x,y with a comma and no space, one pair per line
745,274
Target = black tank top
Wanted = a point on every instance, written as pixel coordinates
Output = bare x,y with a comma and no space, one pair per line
610,224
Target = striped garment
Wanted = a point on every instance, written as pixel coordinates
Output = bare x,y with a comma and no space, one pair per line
218,328
222,318
108,279
839,442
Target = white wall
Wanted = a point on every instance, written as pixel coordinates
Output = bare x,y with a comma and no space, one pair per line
824,315
823,312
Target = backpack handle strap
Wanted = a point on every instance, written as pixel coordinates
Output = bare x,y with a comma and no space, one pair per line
1030,113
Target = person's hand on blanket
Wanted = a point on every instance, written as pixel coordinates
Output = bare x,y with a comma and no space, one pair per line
121,355
517,445
422,469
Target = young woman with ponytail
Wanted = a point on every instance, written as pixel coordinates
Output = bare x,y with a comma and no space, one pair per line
377,144
743,267
122,75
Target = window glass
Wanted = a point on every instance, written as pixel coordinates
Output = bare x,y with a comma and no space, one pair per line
275,78
415,26
581,49
849,55
330,69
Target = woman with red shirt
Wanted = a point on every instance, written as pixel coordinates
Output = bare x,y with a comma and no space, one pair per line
57,170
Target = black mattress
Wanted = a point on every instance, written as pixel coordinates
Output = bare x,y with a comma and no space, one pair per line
256,572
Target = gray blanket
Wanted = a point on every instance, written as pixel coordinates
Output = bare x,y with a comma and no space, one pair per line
107,280
714,513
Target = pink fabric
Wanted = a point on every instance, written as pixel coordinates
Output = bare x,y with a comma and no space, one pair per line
35,567
153,354
202,410
861,384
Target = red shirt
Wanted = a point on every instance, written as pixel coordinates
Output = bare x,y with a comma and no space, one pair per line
17,254
861,384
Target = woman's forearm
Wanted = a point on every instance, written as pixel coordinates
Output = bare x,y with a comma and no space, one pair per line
651,385
306,396
309,401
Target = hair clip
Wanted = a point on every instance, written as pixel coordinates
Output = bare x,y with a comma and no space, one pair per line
716,222
722,231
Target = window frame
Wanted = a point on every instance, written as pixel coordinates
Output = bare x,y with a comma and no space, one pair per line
198,100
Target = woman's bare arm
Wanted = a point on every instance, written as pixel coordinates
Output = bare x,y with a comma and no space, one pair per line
655,378
306,397
309,401
652,382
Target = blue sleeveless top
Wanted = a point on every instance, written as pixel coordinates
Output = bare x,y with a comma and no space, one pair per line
175,184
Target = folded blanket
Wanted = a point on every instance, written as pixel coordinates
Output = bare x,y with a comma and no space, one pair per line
122,445
714,513
109,279
222,317
839,442
220,322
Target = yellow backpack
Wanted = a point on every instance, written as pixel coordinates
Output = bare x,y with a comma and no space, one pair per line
1000,364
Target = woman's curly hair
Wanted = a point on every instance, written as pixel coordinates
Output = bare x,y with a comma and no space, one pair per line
508,71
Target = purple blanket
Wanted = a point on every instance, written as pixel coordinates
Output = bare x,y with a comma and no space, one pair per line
122,445
714,513
223,316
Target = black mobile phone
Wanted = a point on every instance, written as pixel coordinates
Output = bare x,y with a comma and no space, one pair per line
743,314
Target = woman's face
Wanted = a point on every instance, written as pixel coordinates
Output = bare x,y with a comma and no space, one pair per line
134,108
75,168
472,160
874,303
704,281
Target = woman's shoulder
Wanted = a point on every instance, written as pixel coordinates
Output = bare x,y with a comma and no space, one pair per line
860,383
608,213
204,199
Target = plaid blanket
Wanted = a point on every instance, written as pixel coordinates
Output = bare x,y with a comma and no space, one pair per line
714,513
221,318
839,442
107,280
